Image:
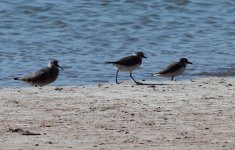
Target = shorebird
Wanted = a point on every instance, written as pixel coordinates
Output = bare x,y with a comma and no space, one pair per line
128,64
173,69
43,76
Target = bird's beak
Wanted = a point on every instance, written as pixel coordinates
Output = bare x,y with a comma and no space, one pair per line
189,62
144,56
60,67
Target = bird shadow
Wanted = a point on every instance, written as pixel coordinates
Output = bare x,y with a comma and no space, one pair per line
152,84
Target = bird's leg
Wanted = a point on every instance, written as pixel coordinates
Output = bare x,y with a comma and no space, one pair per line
138,83
116,77
172,78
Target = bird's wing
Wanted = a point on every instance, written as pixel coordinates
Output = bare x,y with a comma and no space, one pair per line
170,68
128,61
37,75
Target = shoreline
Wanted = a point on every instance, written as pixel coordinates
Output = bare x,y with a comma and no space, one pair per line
187,114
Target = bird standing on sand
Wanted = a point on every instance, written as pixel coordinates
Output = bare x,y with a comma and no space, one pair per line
43,76
173,69
128,64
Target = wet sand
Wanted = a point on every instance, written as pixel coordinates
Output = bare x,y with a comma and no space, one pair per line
192,114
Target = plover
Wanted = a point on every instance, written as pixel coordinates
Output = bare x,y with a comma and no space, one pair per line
43,76
173,69
128,64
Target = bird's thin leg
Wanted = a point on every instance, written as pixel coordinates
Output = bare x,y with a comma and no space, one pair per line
116,77
134,79
172,78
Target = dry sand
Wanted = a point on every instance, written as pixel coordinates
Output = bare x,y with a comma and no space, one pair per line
198,114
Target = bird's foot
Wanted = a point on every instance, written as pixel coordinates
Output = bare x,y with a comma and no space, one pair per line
139,83
118,82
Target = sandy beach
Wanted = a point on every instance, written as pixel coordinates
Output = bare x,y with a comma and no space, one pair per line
191,114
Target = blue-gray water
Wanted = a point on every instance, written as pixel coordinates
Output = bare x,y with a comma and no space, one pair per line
82,34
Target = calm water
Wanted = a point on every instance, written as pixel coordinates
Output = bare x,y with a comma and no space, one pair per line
83,34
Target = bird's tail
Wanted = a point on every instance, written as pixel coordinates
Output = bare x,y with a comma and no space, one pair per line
18,78
154,74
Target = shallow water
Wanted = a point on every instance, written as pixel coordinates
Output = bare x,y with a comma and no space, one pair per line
83,34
